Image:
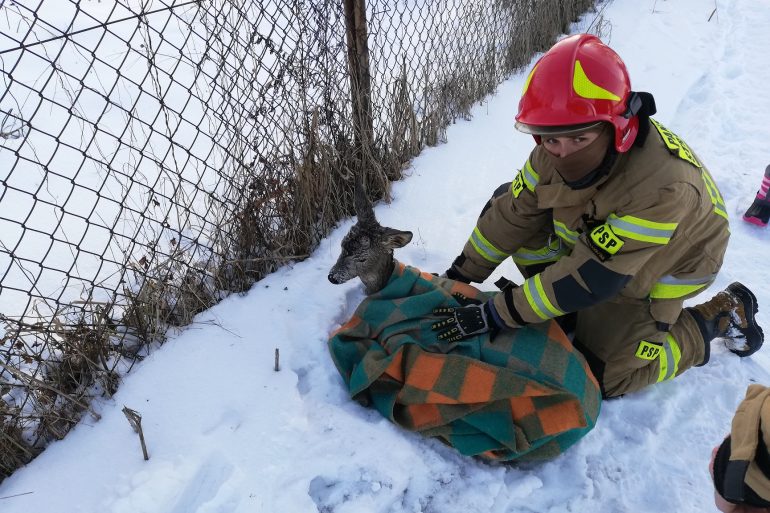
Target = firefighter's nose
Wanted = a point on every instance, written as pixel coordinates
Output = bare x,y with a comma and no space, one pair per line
562,150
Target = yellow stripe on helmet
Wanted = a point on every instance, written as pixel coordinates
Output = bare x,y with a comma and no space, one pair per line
587,89
529,79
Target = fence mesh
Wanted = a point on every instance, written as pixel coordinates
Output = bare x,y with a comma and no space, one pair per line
158,155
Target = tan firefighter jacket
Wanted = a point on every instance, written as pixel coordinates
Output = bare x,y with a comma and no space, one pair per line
653,230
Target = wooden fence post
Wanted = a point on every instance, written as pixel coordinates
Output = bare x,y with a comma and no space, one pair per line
360,81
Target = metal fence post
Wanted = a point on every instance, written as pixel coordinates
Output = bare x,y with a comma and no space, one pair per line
360,79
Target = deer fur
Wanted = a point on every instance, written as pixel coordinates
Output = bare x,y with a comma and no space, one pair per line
367,249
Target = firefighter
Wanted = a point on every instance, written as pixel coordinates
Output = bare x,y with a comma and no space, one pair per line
612,217
740,465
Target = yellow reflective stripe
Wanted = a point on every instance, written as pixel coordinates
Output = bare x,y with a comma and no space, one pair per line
531,300
538,300
669,359
676,354
565,233
663,369
587,89
716,197
641,229
485,248
664,291
525,256
670,287
530,176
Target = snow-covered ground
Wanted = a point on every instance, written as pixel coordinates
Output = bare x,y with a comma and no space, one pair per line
226,433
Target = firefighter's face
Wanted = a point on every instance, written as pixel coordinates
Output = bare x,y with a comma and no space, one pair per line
565,145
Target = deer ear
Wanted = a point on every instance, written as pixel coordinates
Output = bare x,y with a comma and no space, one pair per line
393,238
364,209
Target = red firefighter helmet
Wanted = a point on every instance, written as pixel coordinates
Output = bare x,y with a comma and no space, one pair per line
579,82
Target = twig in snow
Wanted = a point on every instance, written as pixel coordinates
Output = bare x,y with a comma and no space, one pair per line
18,494
136,422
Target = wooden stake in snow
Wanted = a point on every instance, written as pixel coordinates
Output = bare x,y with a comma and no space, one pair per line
136,422
277,366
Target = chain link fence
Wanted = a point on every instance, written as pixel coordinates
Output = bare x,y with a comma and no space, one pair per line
156,156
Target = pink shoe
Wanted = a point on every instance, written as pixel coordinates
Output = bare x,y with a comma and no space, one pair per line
754,220
758,213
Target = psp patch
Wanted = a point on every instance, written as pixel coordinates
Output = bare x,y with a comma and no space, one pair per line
648,350
517,185
604,242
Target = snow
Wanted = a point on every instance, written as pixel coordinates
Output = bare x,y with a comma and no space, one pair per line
227,433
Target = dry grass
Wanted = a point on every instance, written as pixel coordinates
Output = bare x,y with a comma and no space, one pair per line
284,196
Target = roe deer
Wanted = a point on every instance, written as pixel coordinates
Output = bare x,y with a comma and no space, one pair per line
367,249
495,394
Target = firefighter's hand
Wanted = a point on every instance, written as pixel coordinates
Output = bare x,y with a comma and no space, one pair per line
467,321
454,274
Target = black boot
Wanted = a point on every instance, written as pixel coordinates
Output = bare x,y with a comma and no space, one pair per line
730,314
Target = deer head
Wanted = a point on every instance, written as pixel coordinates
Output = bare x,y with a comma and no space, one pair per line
367,249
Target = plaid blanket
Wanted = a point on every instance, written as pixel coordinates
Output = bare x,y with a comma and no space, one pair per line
528,395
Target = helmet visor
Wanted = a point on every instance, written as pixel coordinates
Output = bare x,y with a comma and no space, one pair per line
556,130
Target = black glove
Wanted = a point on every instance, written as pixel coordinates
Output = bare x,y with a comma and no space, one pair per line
455,275
471,319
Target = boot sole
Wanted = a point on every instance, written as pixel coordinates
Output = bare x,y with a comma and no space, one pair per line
755,337
755,221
